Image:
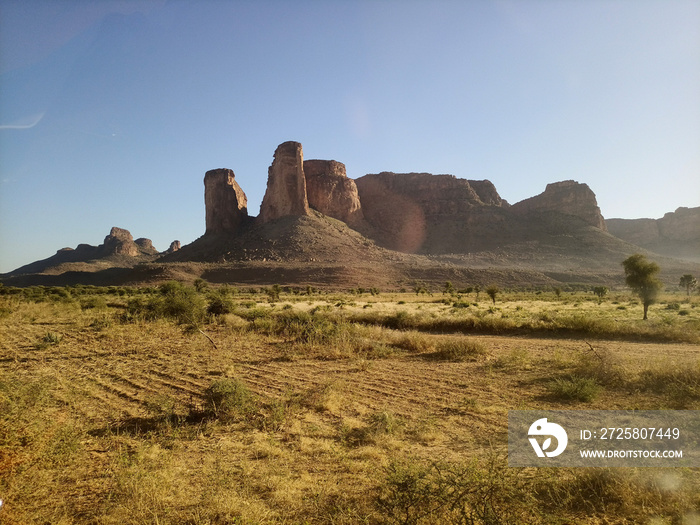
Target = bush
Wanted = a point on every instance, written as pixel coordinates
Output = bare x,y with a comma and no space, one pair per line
219,303
575,388
174,301
87,303
681,386
458,350
474,493
228,398
48,339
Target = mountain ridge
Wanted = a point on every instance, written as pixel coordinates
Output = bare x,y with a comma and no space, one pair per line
384,228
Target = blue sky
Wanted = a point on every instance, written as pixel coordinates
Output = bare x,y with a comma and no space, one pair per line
112,111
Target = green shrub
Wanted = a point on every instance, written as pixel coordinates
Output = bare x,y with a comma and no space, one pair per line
220,303
48,339
575,388
228,398
173,301
399,321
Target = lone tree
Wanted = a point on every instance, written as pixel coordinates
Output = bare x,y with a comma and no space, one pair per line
640,275
689,283
600,291
492,292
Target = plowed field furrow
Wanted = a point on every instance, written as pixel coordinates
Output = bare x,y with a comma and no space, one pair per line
130,382
267,385
184,377
286,373
263,388
377,399
111,403
195,392
113,390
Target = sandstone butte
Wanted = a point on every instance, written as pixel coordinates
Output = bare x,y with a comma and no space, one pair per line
408,212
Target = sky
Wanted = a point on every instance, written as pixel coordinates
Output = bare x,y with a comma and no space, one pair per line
112,111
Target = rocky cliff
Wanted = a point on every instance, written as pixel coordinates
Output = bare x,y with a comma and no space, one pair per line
566,198
676,234
425,213
407,212
332,193
174,246
286,185
225,203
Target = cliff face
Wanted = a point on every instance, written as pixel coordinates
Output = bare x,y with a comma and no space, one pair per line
331,192
286,185
436,195
565,198
225,203
407,212
676,234
420,212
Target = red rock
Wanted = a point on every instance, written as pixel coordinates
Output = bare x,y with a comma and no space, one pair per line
565,198
226,206
331,192
286,185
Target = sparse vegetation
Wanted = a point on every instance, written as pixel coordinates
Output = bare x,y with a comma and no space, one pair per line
315,409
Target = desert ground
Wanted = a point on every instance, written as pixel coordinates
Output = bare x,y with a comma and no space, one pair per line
211,405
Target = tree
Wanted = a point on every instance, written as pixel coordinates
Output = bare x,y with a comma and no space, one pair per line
600,291
688,282
640,276
449,288
492,292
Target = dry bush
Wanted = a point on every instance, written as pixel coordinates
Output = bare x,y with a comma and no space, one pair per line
680,385
458,349
229,398
574,388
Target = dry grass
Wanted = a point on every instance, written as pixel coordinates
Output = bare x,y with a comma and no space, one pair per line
311,414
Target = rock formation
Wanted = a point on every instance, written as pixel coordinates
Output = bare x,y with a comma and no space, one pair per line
286,185
421,212
174,246
331,192
118,242
119,245
226,206
676,234
146,246
565,198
